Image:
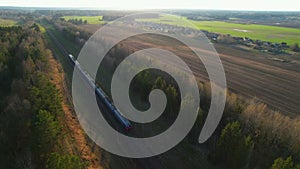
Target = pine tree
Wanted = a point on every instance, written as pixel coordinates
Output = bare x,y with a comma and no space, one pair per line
288,163
233,148
45,133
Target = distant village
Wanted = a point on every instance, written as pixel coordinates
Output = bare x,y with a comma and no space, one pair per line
264,46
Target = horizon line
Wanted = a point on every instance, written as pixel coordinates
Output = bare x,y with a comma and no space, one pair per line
128,9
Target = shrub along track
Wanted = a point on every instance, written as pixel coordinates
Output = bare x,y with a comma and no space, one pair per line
76,141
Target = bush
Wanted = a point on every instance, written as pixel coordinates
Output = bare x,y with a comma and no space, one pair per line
57,161
295,47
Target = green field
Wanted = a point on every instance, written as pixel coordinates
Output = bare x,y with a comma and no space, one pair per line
256,32
90,19
43,30
7,22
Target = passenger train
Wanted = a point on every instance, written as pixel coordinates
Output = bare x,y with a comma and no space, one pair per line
102,96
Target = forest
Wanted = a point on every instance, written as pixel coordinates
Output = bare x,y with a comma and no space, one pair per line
31,111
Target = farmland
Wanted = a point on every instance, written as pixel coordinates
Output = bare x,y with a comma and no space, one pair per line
250,74
7,22
89,19
253,31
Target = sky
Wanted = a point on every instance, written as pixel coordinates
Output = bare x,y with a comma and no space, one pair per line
257,5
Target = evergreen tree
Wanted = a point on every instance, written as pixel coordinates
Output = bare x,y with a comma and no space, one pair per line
233,148
45,133
288,163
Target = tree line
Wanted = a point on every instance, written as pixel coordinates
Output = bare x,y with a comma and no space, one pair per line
30,125
75,21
